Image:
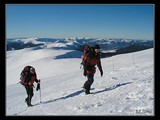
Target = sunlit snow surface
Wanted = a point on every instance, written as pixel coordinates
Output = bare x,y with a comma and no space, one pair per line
126,87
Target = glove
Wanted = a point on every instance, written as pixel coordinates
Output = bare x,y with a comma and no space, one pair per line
101,72
39,81
38,87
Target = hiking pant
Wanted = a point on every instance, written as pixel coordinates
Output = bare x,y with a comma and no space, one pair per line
89,82
29,91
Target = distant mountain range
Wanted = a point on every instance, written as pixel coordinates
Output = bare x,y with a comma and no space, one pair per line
109,47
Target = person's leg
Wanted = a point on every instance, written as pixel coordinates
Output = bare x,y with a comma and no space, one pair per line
88,83
29,91
30,95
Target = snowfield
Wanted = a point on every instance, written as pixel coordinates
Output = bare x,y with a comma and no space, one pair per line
125,89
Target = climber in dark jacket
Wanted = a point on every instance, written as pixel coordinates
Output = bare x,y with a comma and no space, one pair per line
90,60
28,77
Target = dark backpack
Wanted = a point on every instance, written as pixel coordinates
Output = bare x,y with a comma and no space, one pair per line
89,51
86,49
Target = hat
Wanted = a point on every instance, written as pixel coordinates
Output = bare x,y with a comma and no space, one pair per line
96,47
32,70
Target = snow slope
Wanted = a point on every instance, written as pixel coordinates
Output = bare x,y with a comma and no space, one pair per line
126,88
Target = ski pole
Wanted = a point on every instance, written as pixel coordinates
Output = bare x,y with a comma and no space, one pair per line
40,92
40,95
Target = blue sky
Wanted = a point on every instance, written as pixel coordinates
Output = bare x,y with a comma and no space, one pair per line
132,21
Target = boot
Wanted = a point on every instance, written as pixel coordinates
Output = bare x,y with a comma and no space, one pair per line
30,105
28,102
86,91
86,87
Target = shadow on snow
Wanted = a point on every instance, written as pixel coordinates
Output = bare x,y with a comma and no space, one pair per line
71,54
80,91
68,96
112,87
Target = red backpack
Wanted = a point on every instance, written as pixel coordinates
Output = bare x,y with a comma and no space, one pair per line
85,52
25,75
88,52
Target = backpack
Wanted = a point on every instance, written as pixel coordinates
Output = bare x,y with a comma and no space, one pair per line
88,52
85,52
25,75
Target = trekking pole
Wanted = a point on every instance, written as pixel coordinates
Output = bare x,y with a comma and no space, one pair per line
40,94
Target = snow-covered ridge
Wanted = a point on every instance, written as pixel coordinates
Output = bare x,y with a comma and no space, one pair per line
73,43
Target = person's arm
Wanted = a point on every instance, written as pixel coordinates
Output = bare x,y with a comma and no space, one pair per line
33,79
100,67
